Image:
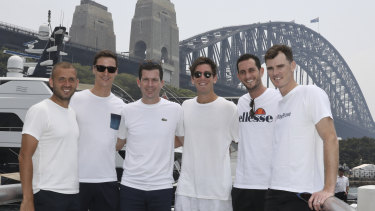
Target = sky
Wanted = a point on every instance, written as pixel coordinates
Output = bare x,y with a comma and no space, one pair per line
348,25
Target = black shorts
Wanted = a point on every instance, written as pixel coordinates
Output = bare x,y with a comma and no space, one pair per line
278,200
99,196
248,199
140,200
49,200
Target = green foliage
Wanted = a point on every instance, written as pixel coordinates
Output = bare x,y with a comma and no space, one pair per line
84,74
128,83
357,151
181,92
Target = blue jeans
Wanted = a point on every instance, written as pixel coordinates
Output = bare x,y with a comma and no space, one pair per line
132,199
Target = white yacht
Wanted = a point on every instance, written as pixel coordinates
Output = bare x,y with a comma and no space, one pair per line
21,89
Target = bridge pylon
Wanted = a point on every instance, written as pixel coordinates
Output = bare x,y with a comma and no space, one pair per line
154,35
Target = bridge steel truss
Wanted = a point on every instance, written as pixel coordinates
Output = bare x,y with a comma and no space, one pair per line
314,55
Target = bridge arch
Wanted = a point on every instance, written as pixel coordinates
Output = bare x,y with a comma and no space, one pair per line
318,63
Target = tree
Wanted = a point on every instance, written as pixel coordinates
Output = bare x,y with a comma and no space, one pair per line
356,151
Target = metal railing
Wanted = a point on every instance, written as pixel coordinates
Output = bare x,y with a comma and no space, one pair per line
10,193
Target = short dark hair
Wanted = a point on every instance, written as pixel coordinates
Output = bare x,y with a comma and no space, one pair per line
64,65
105,53
248,56
203,60
276,49
150,65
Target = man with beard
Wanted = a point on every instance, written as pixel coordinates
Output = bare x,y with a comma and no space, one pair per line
256,110
49,148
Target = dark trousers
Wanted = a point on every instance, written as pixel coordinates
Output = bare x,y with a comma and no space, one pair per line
132,199
99,196
342,196
49,200
248,199
277,200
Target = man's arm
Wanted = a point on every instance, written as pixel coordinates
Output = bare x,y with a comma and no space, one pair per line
120,144
178,141
28,147
327,132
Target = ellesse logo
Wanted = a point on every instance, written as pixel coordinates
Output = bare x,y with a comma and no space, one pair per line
260,116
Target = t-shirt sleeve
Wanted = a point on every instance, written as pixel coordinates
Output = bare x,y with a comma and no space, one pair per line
122,132
319,104
35,121
180,123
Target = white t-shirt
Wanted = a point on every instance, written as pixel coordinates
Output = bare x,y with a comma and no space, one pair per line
298,151
150,132
55,166
256,140
98,119
209,130
341,184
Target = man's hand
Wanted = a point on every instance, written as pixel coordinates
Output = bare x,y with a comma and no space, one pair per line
27,205
317,199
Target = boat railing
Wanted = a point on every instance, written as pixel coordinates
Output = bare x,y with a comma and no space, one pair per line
10,193
11,129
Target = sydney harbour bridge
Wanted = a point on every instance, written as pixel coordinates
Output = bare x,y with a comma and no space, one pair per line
318,63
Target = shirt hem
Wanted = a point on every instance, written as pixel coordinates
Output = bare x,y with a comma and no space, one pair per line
147,188
204,197
98,180
256,187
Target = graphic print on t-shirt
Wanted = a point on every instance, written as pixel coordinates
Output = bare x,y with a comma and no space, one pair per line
115,121
260,116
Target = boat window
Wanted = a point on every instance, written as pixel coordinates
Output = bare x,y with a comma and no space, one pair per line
10,122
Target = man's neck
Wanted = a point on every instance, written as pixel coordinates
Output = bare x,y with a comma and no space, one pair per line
206,98
258,92
101,91
150,102
288,88
62,103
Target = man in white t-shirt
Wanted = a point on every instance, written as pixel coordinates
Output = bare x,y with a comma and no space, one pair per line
305,156
210,124
98,116
342,186
49,149
257,111
149,127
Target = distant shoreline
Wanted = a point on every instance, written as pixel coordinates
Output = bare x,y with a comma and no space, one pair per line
358,183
